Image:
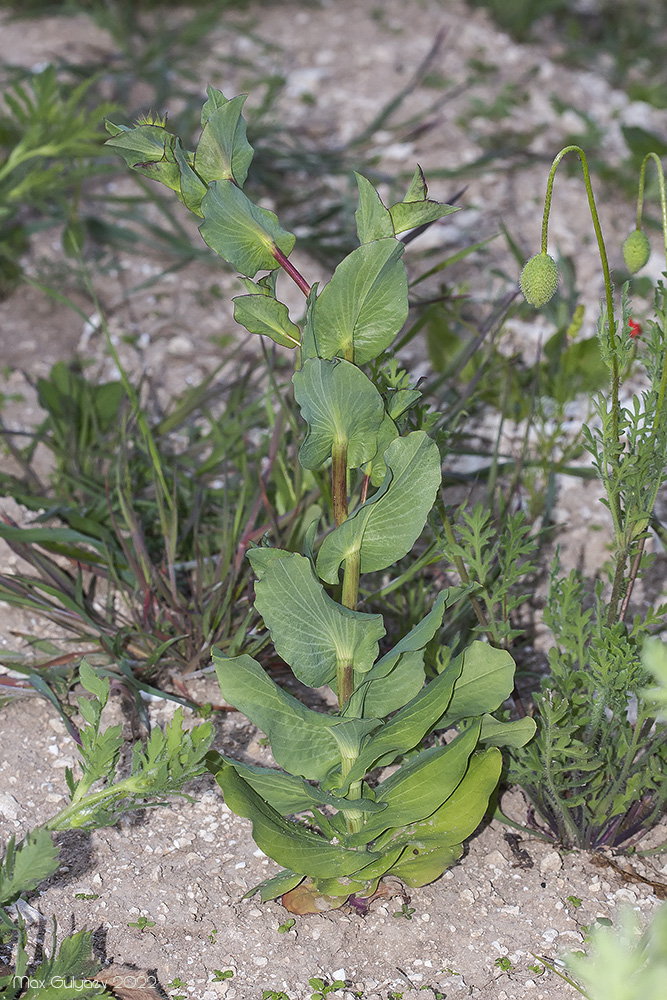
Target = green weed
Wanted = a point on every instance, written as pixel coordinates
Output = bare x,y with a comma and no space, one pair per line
594,772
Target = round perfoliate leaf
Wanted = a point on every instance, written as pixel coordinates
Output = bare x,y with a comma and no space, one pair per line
636,250
539,279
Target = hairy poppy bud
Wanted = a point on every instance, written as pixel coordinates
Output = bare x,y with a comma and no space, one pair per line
636,250
539,279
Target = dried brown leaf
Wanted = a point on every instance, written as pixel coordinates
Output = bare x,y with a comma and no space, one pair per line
129,984
306,899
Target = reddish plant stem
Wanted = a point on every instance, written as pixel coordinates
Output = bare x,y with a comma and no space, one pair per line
290,269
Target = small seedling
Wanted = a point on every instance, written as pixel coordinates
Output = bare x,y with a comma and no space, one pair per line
405,911
574,901
142,923
503,963
177,984
86,895
287,926
587,929
219,975
213,936
322,988
275,995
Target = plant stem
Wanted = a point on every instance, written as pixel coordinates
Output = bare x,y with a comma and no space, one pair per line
351,580
663,206
345,669
610,439
339,482
354,819
608,286
663,199
290,269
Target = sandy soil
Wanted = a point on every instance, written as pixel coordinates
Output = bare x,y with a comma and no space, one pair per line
186,867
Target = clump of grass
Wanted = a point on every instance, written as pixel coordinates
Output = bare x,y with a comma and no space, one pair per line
137,549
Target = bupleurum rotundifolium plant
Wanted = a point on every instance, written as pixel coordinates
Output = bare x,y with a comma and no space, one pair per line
335,829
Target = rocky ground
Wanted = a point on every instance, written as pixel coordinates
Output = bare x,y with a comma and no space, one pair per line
185,868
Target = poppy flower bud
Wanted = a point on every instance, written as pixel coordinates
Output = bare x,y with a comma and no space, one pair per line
636,250
539,279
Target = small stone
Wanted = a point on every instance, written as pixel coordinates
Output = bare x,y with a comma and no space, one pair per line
64,762
551,863
9,806
180,345
550,935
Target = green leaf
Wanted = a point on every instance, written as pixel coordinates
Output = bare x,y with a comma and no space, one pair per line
423,631
377,467
223,152
289,844
287,793
369,874
400,400
276,886
341,406
360,311
418,190
409,215
308,345
407,728
61,540
148,149
385,528
97,686
215,99
420,786
402,667
417,209
300,739
507,734
64,972
487,679
310,631
423,865
388,693
239,231
191,187
267,317
372,217
25,866
461,813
